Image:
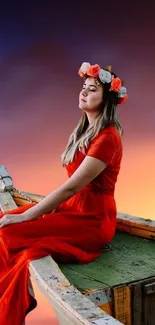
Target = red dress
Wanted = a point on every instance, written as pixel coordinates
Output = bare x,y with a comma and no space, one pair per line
76,231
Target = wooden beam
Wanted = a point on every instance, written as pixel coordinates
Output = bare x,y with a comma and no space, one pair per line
136,226
71,307
6,183
102,298
122,304
6,202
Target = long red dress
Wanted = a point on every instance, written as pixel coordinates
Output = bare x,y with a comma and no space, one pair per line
76,231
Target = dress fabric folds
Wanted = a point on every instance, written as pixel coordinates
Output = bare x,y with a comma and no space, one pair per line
75,232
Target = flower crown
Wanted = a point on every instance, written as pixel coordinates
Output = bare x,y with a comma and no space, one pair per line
105,76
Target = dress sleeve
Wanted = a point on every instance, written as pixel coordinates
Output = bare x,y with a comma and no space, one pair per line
104,147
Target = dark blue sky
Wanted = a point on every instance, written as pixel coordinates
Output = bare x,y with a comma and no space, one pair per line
43,44
77,26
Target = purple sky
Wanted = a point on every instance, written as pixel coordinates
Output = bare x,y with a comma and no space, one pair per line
41,49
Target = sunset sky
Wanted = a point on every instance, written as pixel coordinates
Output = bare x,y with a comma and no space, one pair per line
42,47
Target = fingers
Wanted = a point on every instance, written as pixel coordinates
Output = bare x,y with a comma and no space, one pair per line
6,220
9,219
3,224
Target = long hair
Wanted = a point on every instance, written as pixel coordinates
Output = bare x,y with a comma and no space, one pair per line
83,133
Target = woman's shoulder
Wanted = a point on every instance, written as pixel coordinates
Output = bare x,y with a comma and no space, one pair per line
105,145
111,131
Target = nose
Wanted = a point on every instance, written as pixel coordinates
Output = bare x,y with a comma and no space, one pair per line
84,92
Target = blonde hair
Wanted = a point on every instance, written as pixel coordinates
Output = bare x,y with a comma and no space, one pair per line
83,133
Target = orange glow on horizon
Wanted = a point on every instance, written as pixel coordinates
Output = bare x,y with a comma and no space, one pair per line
134,189
38,314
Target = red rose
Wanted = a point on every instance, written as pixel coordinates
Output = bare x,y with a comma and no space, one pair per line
116,84
122,100
93,70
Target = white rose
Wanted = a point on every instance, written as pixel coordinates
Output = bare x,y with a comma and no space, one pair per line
122,92
105,76
85,66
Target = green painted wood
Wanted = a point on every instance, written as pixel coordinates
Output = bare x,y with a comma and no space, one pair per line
130,259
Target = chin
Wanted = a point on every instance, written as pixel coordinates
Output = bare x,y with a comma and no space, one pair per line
83,106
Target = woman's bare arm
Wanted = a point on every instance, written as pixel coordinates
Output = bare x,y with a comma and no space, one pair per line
85,173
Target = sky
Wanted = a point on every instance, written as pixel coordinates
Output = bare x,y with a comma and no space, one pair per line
42,46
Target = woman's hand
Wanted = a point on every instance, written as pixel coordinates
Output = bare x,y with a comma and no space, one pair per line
9,219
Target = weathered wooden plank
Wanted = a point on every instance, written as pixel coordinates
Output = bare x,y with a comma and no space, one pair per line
101,298
136,289
144,233
149,302
100,322
150,288
70,305
122,304
136,226
130,260
6,182
136,222
7,202
143,302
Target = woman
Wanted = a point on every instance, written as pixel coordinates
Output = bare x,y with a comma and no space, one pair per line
74,222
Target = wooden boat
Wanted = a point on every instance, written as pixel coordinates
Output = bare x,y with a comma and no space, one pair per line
118,288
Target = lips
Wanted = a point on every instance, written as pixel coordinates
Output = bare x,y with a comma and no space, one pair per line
83,100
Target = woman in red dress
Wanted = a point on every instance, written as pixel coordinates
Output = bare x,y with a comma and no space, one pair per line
74,222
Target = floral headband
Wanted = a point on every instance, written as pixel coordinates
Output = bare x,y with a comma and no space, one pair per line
105,76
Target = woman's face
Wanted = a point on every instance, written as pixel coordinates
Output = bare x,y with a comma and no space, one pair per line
91,95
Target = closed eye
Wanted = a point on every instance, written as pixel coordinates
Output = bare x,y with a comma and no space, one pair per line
89,89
